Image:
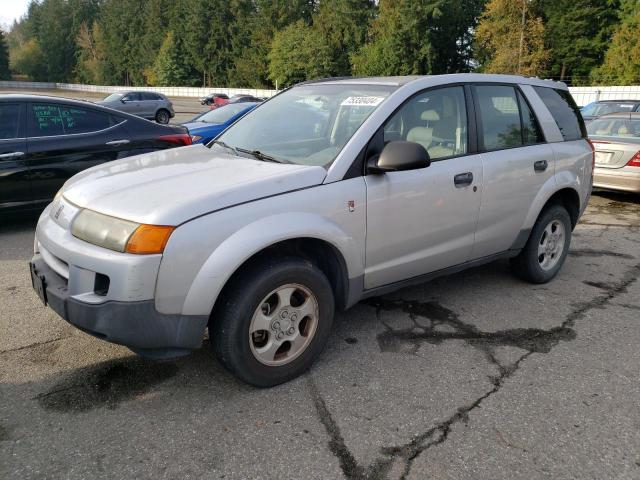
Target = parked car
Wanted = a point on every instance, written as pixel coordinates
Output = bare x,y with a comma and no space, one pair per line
604,107
244,98
616,138
149,105
45,140
208,125
259,239
217,99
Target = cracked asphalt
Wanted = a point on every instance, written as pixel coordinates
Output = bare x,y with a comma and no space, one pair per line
476,375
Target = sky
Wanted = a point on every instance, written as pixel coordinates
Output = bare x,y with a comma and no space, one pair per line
12,10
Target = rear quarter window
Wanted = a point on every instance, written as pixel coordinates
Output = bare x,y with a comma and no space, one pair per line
564,111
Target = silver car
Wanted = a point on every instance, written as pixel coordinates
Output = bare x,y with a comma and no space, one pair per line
261,234
149,105
616,138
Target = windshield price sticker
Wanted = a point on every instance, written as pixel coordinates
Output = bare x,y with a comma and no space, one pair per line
363,101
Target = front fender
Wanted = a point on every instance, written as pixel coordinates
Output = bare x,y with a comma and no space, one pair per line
256,236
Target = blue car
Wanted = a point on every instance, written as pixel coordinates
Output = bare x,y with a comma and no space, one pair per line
209,125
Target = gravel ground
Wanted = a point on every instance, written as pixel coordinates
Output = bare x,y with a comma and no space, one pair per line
476,375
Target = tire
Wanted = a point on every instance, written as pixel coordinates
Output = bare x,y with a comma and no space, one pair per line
547,248
257,294
163,116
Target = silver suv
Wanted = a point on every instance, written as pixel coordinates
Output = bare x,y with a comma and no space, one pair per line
328,193
149,105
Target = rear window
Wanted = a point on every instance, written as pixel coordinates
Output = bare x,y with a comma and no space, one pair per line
596,109
615,127
51,120
564,111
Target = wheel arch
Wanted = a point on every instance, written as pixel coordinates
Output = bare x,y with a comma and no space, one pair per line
316,239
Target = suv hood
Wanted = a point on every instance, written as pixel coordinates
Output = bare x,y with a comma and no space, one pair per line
172,186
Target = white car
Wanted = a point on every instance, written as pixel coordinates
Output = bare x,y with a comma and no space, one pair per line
330,192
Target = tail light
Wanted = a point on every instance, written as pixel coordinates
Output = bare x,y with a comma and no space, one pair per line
177,138
635,160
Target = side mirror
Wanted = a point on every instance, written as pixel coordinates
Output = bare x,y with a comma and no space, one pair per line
398,156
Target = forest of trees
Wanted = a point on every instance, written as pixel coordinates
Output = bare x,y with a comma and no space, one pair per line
261,43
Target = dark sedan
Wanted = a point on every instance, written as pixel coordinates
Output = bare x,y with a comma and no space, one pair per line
46,140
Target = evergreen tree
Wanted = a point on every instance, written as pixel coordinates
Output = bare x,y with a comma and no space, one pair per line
622,60
5,74
510,39
342,27
168,69
299,53
577,34
418,37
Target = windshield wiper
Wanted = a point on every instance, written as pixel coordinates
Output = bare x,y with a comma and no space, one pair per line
260,156
222,144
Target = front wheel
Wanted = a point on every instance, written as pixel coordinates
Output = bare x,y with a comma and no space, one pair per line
273,320
162,116
547,247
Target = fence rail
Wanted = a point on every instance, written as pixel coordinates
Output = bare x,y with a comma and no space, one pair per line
582,95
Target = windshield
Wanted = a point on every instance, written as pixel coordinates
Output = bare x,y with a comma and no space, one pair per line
308,124
596,109
113,97
223,114
615,127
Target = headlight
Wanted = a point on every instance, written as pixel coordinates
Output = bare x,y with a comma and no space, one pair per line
120,235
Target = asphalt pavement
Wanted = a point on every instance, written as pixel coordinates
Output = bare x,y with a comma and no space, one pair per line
475,375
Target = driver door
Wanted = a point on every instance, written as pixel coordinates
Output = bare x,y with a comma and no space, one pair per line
424,220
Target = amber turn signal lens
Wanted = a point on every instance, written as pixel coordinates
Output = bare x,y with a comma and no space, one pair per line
148,239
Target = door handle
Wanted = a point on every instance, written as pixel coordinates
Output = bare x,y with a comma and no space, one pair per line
12,155
463,179
540,165
117,142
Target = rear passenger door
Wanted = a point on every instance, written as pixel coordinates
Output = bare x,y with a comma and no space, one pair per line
64,140
516,162
149,103
15,191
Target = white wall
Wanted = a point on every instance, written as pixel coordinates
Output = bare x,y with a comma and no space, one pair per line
582,95
585,95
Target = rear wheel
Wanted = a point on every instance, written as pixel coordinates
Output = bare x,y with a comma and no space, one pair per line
273,320
547,248
163,116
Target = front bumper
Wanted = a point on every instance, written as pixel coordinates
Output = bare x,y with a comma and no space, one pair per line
622,179
135,324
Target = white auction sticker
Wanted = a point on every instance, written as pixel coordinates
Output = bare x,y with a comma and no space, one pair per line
363,101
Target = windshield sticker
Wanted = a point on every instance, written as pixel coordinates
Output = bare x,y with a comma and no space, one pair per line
363,101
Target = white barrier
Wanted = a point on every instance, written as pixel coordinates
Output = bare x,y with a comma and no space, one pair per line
582,95
585,95
170,91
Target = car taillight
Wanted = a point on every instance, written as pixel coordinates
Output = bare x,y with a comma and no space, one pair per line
177,138
635,160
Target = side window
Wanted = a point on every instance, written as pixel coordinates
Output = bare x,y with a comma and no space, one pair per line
50,120
564,111
79,120
531,131
500,117
9,120
436,119
45,120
